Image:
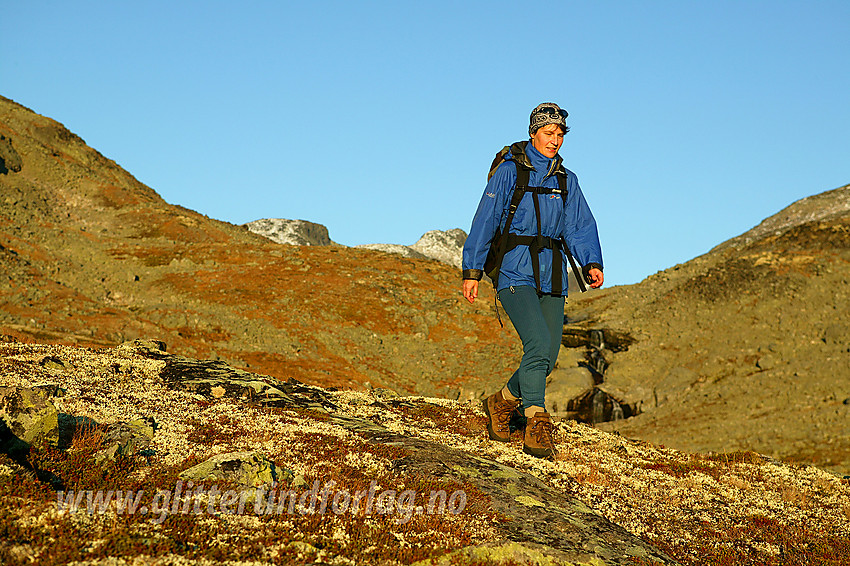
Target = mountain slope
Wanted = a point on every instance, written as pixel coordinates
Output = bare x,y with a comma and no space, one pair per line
91,256
746,347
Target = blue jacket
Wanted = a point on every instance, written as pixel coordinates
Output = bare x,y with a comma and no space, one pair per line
571,221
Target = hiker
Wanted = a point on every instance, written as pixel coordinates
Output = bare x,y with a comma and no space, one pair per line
529,188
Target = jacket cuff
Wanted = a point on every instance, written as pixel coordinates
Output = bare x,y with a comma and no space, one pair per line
585,271
476,274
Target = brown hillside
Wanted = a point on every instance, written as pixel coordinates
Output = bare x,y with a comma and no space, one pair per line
746,347
91,256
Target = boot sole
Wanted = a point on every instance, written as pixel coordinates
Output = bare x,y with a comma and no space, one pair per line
490,432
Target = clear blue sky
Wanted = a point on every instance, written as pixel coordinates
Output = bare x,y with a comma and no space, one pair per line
691,121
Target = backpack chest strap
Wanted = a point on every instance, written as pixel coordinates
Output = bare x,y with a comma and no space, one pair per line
539,242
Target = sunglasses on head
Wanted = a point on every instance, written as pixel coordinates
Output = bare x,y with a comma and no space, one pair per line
554,112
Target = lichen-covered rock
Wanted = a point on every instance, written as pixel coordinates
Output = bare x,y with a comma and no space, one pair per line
540,517
127,438
249,469
26,414
217,380
54,363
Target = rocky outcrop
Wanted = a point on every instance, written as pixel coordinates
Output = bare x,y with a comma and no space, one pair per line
125,438
537,513
9,158
445,246
292,232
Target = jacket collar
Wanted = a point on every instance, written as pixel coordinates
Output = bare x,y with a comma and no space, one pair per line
540,162
526,154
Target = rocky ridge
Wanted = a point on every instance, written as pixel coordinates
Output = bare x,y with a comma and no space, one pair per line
218,435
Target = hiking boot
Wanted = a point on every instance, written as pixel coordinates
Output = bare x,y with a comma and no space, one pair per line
538,439
498,411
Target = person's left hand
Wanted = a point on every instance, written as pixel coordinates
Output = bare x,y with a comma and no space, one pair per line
596,278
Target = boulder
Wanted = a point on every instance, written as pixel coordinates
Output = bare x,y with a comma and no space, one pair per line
25,416
248,469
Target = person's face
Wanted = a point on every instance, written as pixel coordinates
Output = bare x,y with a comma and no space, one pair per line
548,139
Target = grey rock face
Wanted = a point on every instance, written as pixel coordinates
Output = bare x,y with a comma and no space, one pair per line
293,232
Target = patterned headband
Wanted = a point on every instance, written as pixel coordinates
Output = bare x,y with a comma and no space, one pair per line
545,114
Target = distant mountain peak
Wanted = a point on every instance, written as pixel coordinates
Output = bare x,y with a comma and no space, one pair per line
293,232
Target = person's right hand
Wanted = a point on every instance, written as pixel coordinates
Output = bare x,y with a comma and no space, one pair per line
470,289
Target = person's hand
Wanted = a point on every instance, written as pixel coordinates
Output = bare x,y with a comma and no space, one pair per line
596,278
470,289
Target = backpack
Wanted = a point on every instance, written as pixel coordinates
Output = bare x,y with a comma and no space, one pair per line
504,242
